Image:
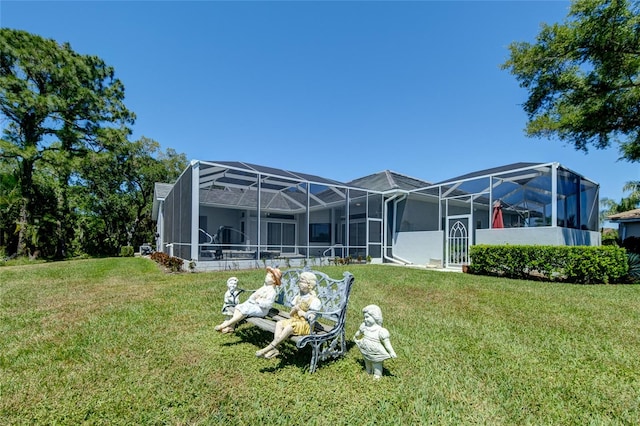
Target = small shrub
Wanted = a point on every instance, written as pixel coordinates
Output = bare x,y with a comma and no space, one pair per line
173,264
126,251
610,237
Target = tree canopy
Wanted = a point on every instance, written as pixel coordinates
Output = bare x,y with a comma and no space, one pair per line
114,195
57,103
70,180
631,202
582,77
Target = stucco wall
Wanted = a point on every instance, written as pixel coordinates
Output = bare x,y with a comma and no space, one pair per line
419,247
538,236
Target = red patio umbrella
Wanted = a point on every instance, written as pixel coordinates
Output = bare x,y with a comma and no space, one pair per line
496,221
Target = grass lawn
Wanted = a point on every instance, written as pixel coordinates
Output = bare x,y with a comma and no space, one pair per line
118,341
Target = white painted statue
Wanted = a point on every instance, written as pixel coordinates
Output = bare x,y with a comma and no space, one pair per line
231,297
373,341
257,305
305,304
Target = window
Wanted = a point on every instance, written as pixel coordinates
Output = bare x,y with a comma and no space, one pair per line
320,232
281,236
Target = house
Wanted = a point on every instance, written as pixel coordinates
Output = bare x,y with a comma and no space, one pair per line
233,214
628,223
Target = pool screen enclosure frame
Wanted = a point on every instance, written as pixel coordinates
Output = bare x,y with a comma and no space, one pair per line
235,210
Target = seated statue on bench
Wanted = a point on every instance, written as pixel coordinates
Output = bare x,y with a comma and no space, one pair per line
304,306
231,297
257,305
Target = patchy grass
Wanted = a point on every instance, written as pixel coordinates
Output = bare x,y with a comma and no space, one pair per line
117,341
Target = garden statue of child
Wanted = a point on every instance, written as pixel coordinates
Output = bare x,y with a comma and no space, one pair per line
231,297
305,304
374,344
257,305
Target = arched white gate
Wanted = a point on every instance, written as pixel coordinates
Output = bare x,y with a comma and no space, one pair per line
458,240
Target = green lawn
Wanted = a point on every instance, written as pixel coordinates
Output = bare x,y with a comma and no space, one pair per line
118,341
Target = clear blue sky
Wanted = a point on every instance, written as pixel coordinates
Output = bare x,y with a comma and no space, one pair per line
337,89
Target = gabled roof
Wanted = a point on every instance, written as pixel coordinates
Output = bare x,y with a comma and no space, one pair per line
628,216
160,191
388,180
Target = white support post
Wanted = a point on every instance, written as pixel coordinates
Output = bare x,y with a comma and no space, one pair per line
554,195
307,212
347,222
195,209
259,219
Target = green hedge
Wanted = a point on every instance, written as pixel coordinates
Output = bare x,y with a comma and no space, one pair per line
126,251
576,264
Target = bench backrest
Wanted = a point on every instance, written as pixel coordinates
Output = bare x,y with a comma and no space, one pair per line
334,294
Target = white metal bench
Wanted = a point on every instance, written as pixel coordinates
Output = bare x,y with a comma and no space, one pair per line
327,338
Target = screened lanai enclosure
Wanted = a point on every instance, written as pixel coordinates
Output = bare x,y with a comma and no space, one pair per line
522,203
234,214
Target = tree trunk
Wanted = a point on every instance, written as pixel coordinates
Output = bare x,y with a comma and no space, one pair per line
22,230
63,215
26,187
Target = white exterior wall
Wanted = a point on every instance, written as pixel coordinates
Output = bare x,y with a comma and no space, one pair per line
419,247
538,236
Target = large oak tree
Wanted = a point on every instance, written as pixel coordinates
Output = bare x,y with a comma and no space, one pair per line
582,77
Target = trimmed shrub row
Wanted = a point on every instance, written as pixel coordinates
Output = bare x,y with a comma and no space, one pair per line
174,264
575,264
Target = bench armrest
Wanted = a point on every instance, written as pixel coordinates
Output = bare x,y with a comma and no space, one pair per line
312,319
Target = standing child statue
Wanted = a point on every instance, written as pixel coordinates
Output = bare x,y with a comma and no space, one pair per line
305,305
257,305
373,341
231,297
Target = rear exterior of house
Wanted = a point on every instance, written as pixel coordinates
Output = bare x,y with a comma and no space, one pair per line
229,215
628,223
